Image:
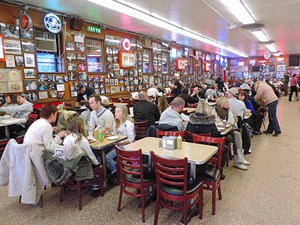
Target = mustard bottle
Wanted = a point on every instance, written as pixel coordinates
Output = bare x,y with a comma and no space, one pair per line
179,142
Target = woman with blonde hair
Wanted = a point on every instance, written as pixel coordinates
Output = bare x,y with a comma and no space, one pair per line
222,113
203,122
162,104
123,125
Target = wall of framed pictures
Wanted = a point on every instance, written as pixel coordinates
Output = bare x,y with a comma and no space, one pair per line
113,63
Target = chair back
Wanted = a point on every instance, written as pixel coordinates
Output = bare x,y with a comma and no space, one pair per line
129,163
114,99
188,136
160,133
141,129
170,172
217,158
31,118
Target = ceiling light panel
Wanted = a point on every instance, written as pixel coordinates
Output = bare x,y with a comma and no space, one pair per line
238,9
272,47
260,35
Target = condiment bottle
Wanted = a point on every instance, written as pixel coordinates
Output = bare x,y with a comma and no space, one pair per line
179,142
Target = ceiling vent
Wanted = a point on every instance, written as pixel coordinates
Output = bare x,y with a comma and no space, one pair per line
252,26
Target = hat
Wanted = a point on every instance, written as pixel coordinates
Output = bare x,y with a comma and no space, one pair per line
234,91
79,87
23,95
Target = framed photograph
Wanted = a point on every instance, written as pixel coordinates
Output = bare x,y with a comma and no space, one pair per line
59,79
29,60
10,31
60,87
30,85
10,61
72,75
112,82
12,47
43,86
80,57
53,94
60,94
116,82
81,67
19,60
80,47
71,56
73,94
116,66
27,34
29,73
28,46
43,95
70,46
82,76
32,95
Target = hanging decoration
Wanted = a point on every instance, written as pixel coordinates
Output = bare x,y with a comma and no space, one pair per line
52,23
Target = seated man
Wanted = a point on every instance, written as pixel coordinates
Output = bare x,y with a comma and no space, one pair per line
171,116
145,110
100,116
83,94
153,91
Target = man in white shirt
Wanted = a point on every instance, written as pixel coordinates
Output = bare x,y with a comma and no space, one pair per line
100,116
153,91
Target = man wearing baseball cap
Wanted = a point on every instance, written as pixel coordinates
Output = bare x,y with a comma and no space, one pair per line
83,94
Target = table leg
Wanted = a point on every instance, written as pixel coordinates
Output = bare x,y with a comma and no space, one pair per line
104,163
7,132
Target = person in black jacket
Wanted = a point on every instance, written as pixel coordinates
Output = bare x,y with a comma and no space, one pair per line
145,110
187,98
176,89
203,122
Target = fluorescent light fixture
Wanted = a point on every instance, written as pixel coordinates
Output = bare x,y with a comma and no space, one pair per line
238,9
260,35
131,10
272,47
277,53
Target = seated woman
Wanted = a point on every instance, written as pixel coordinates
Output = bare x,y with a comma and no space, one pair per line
202,122
10,100
123,125
41,131
222,112
76,136
162,104
187,98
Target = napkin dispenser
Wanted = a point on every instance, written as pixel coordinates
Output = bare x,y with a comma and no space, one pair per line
171,142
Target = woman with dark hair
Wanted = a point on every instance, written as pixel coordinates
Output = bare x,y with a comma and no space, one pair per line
162,104
176,89
41,131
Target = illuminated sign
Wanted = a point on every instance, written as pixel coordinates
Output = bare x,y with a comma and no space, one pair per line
93,29
52,23
25,22
180,63
280,59
126,44
241,63
206,67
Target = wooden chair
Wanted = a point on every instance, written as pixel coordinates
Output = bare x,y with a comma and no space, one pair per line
141,129
174,185
133,176
160,133
115,100
188,136
79,185
211,173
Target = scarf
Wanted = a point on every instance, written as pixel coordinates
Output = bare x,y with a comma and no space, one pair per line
222,113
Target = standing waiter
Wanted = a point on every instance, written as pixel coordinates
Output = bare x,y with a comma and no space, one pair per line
83,94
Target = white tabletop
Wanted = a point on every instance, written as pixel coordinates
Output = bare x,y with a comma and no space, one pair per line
11,121
196,153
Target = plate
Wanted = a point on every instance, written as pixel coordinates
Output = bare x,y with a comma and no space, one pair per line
91,139
112,138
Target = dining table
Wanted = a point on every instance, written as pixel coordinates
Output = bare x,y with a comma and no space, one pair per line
196,154
98,145
10,121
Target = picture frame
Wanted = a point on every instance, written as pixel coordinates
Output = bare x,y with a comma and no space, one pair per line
80,57
53,93
43,94
29,60
60,87
70,46
29,73
28,34
30,85
10,61
80,47
70,56
73,94
12,47
28,46
19,60
60,94
10,31
116,66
